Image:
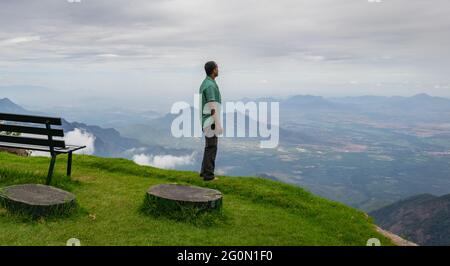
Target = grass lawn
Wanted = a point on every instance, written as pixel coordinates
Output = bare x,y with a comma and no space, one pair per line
110,193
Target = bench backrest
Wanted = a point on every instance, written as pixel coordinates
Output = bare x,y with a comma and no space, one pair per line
28,125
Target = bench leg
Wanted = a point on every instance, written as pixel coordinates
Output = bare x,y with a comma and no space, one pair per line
50,169
69,164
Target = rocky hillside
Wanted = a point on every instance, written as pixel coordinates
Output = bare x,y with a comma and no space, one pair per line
423,219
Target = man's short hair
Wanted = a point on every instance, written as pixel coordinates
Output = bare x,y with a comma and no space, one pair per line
209,67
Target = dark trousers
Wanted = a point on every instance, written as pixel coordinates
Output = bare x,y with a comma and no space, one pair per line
209,158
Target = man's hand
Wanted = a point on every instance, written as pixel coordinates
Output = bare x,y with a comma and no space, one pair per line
215,114
218,130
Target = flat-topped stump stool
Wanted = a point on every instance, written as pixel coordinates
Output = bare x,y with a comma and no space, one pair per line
178,197
37,200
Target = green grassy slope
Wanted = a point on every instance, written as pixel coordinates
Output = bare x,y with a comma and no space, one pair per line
110,193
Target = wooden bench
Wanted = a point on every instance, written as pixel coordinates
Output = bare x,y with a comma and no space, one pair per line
36,133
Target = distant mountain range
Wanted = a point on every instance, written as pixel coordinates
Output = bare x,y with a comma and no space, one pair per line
421,101
7,106
108,141
418,102
423,219
417,108
310,102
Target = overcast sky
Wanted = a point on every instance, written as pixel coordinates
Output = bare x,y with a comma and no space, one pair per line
147,52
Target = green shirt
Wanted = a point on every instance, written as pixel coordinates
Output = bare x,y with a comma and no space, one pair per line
209,92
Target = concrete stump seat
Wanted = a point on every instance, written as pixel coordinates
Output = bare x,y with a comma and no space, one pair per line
36,199
175,197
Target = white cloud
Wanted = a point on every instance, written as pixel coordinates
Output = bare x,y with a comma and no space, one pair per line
77,137
164,161
108,55
133,151
316,58
19,40
82,138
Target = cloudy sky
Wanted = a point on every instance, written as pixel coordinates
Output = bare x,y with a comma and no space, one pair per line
143,53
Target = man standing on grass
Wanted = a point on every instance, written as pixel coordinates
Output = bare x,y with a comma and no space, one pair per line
210,119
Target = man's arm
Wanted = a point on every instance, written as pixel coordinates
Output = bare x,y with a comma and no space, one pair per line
213,106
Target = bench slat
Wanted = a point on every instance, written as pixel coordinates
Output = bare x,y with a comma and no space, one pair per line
24,147
32,141
31,130
67,149
30,119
